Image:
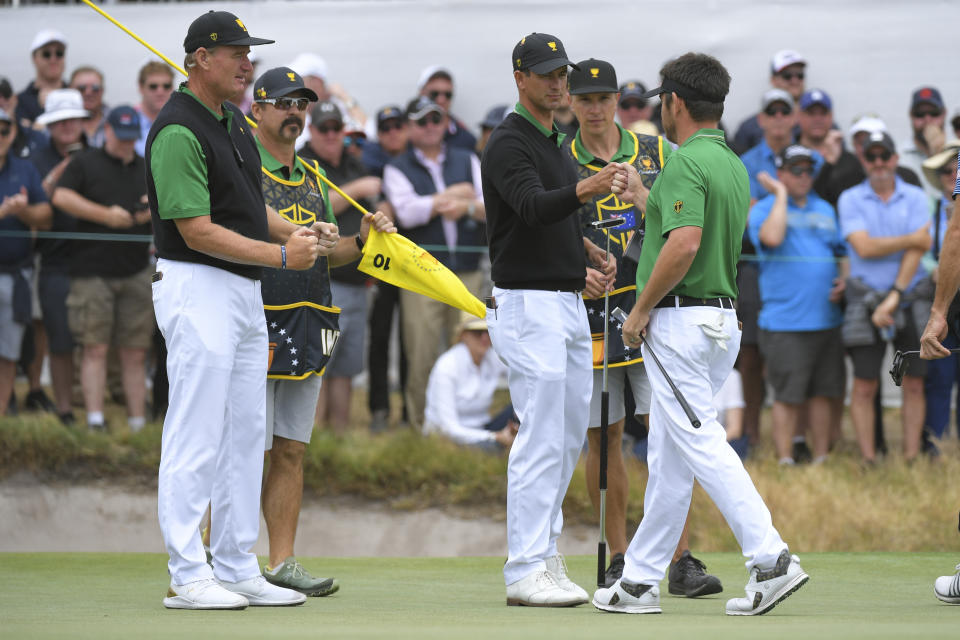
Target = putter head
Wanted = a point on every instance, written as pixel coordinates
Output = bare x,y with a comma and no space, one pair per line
619,314
608,223
899,368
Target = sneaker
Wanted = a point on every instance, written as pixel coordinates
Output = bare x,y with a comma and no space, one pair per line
626,597
689,578
202,594
379,421
768,587
801,452
260,593
614,571
540,589
38,401
67,419
558,567
947,588
292,575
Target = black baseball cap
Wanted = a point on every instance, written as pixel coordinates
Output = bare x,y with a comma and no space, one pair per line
539,53
494,116
592,76
633,89
125,122
390,112
879,139
279,82
216,28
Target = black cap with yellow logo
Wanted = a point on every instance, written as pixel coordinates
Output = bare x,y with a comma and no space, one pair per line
592,76
539,53
216,28
280,82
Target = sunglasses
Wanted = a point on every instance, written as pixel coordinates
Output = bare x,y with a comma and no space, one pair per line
329,128
387,127
774,110
433,95
800,171
285,103
55,53
926,113
430,118
5,131
632,104
353,141
95,88
873,157
166,86
790,75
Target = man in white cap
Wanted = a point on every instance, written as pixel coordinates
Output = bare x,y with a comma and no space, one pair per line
313,69
436,83
787,72
48,51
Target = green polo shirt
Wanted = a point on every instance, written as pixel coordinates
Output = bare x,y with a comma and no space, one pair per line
554,133
276,169
179,168
626,152
702,165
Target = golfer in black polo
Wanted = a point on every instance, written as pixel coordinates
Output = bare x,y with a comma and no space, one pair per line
537,323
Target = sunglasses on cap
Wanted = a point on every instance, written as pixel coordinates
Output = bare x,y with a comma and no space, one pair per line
389,125
325,128
884,155
777,109
5,130
798,170
433,95
52,53
95,88
925,113
285,103
166,86
430,118
790,75
632,104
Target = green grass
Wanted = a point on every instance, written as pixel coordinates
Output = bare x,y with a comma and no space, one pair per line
850,595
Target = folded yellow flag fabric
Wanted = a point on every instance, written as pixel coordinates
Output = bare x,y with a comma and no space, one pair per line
392,258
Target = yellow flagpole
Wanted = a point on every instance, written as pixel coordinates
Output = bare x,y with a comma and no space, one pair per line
251,122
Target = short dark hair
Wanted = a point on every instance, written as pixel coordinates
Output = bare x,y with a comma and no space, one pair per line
705,74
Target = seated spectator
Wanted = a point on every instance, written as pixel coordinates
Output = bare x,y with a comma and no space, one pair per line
436,83
392,139
928,116
47,52
25,139
800,314
787,73
943,375
313,69
110,294
89,82
632,106
490,121
886,224
23,206
729,405
155,83
460,392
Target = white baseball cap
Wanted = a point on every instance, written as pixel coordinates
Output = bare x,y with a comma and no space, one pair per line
62,104
427,74
45,37
867,124
783,59
310,64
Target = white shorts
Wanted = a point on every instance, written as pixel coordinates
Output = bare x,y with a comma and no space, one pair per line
291,406
639,384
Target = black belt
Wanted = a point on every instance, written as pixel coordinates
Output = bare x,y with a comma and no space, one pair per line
672,302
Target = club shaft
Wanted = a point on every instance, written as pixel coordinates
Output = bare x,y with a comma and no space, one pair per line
676,392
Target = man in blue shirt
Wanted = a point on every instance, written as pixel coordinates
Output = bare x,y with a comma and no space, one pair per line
800,289
886,225
23,206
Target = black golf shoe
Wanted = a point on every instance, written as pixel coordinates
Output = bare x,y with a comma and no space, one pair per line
689,578
614,571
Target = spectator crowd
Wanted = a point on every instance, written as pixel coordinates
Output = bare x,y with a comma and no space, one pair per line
839,254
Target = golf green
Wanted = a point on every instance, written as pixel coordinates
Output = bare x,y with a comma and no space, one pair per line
850,595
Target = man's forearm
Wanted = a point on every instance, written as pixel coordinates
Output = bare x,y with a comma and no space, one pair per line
78,206
279,228
948,277
218,241
908,268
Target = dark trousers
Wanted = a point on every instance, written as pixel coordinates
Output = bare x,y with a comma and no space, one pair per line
386,306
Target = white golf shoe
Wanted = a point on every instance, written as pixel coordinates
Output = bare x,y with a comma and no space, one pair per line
540,589
558,567
947,588
768,587
626,597
202,594
260,593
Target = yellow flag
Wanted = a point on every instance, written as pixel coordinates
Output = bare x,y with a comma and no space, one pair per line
394,259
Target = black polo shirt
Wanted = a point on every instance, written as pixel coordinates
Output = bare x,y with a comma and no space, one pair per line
101,178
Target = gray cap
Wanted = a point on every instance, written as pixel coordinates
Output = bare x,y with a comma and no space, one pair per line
776,95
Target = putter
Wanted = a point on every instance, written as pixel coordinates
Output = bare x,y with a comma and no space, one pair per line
900,365
619,314
604,418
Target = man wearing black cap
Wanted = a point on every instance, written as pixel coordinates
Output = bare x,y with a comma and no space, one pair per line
886,223
598,142
392,137
280,105
213,233
536,317
494,117
632,107
695,216
928,115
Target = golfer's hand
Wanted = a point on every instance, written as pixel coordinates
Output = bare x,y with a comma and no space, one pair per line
632,189
600,183
931,345
380,221
302,249
601,260
596,284
635,325
505,436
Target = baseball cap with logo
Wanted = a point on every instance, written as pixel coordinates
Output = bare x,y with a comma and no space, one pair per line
325,111
45,37
793,154
539,53
390,112
879,139
633,89
279,82
62,104
867,123
125,122
815,97
592,76
216,28
419,107
776,95
926,95
783,59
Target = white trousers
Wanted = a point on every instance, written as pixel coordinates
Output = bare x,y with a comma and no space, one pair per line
677,453
544,339
212,446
